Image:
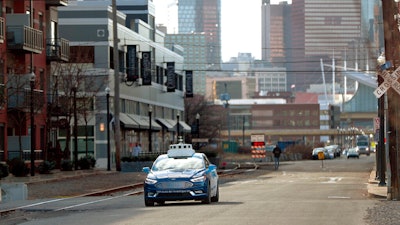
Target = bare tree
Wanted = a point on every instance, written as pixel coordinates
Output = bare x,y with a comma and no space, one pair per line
210,117
16,96
76,86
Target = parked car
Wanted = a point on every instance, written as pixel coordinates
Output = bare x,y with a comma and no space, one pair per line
332,151
181,174
320,149
353,153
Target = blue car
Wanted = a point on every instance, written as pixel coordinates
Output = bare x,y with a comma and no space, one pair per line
181,174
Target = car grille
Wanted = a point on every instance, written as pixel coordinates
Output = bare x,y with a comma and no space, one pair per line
185,194
174,185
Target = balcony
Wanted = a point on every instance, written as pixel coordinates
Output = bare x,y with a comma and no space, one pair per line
56,3
24,38
57,49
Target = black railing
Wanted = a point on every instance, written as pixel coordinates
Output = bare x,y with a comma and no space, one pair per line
57,49
26,155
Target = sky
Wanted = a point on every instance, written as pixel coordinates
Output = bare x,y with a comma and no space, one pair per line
240,24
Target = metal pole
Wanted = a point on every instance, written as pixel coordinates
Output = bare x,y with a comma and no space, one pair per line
243,130
177,128
150,144
381,144
75,131
32,84
117,134
108,130
198,129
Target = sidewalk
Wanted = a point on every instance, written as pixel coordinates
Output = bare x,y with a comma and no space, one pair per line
56,175
374,190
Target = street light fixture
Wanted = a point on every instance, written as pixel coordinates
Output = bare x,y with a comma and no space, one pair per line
33,134
108,129
150,141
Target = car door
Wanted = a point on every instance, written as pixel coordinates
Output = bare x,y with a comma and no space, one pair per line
212,174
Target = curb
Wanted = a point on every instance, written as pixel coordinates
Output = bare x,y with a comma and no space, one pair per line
374,190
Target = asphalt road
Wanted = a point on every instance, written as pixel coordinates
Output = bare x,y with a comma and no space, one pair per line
302,193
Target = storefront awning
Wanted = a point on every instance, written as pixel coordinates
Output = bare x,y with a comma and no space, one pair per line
184,127
144,123
127,122
164,123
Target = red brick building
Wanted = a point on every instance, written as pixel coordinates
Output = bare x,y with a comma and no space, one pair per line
29,43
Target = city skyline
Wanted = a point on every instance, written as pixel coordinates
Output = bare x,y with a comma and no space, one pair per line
239,22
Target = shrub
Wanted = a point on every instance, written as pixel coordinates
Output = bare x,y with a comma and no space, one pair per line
4,172
304,150
86,162
46,166
127,159
66,165
18,167
141,158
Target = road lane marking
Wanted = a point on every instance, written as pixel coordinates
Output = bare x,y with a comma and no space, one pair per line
338,197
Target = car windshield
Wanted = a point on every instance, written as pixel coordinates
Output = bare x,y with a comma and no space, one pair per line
178,164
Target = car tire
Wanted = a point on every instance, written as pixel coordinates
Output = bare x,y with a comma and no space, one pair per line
207,199
148,202
216,197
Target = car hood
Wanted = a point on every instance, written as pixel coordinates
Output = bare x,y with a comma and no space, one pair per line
175,173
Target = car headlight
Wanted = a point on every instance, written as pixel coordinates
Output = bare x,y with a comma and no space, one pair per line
199,179
150,181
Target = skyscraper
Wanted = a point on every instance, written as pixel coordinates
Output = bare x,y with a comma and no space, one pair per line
203,16
276,28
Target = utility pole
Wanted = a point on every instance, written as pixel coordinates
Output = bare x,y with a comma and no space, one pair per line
117,134
391,35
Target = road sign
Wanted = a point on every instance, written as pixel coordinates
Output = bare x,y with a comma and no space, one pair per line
257,138
390,81
377,123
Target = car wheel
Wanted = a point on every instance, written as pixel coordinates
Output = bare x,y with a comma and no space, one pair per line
148,202
216,197
207,200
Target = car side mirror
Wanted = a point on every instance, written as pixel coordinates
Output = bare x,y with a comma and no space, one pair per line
146,169
212,167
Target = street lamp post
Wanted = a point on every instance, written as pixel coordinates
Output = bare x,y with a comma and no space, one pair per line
198,129
177,127
108,129
243,129
150,144
74,89
33,134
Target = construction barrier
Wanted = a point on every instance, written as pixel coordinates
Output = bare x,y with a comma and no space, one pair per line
258,154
